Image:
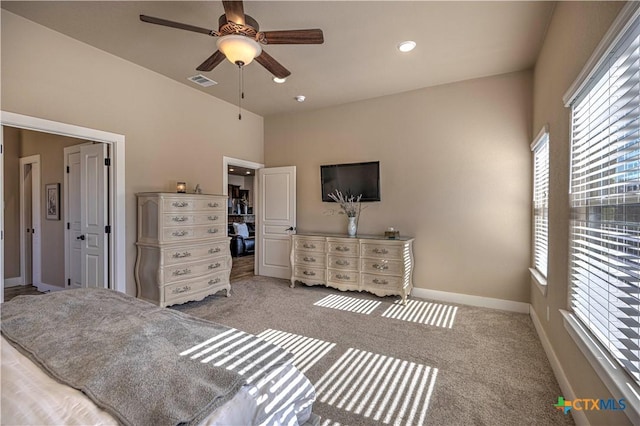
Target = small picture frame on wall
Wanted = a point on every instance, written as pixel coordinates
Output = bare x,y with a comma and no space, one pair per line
52,192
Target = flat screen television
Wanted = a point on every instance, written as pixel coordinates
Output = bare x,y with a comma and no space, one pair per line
351,179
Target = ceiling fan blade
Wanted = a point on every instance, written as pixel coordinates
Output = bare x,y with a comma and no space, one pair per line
178,25
212,61
234,10
314,36
273,66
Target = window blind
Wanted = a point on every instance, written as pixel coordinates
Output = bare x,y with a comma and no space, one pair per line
540,149
605,203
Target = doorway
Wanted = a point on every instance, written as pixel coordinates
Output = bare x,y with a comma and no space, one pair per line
241,187
116,208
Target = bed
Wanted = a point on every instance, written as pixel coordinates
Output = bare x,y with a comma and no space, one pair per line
96,356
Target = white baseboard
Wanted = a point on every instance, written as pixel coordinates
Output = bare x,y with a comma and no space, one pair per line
43,287
465,299
12,282
567,391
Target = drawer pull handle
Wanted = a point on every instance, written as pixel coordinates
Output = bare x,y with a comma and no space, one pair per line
309,246
216,281
213,230
213,205
309,259
181,289
381,282
214,250
309,273
213,217
179,233
343,277
215,265
380,251
180,204
182,272
181,255
342,262
343,248
380,267
179,218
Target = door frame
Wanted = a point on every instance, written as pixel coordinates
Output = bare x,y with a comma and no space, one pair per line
230,161
117,195
36,246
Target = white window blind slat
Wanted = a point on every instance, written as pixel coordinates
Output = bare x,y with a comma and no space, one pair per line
540,149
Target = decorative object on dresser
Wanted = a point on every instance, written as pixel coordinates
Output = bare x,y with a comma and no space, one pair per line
350,206
183,247
375,264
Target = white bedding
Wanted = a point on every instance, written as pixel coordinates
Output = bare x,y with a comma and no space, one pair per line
30,397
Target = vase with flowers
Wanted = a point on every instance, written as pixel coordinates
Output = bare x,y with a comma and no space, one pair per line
350,205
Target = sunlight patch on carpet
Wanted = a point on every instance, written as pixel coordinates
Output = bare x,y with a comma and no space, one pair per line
429,313
328,422
385,389
306,350
346,303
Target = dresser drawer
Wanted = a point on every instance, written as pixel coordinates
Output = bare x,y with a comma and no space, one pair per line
179,204
188,270
194,232
350,277
382,266
382,251
309,259
183,288
188,218
212,204
383,282
188,253
305,273
342,247
309,244
342,262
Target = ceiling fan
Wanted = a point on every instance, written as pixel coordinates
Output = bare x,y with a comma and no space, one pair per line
240,39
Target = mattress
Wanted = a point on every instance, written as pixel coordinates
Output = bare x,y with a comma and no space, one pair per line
30,396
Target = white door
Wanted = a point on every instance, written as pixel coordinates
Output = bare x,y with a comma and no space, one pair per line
93,216
276,220
73,246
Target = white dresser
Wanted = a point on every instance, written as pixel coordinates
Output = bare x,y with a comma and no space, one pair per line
183,247
364,263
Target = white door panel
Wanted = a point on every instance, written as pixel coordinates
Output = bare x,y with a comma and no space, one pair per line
73,245
276,219
93,215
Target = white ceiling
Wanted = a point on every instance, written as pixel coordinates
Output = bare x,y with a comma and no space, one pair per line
358,60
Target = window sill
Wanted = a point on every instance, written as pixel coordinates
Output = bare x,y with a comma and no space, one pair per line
539,280
614,378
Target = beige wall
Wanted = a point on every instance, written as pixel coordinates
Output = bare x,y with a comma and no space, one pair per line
455,174
11,154
575,31
173,133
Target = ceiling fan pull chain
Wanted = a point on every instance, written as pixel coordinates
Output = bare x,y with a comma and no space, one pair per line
240,91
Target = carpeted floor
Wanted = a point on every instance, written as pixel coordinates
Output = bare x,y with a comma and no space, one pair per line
382,363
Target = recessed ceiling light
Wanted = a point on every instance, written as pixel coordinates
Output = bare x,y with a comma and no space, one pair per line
248,172
300,98
231,169
279,80
406,46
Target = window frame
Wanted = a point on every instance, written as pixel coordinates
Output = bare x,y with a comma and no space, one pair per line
540,208
619,382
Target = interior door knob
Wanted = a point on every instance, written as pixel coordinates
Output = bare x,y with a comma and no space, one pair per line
81,237
291,228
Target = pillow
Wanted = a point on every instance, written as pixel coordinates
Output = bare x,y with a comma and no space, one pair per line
241,229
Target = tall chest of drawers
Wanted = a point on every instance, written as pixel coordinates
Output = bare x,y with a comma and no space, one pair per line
183,248
366,263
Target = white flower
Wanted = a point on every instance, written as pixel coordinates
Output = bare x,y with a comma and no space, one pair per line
349,205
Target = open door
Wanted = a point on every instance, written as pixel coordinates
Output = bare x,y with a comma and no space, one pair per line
276,220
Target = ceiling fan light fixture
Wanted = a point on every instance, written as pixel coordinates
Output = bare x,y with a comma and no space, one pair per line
279,80
239,49
406,46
